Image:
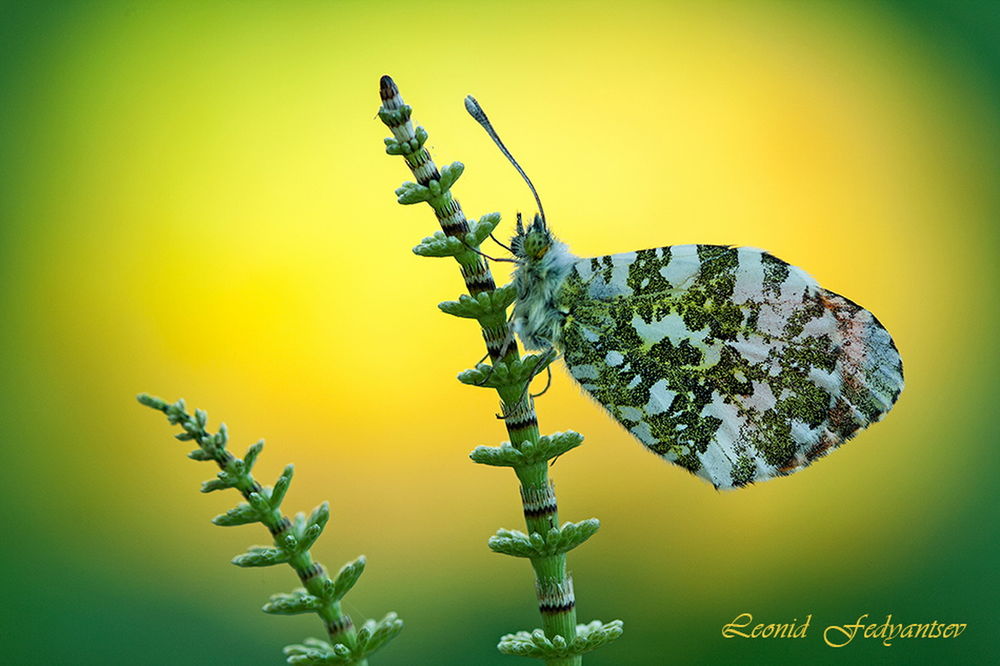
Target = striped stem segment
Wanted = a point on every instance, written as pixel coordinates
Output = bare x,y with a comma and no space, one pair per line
339,626
266,510
554,587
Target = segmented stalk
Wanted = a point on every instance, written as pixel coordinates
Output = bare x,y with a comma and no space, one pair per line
292,545
554,587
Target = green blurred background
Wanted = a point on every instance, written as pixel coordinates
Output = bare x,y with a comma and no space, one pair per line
194,201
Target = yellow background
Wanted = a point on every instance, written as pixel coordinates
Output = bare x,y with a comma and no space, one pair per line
195,202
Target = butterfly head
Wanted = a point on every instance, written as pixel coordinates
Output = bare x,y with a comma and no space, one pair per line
532,243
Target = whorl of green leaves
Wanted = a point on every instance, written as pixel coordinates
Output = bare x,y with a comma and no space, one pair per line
371,636
293,540
548,447
556,541
536,644
503,374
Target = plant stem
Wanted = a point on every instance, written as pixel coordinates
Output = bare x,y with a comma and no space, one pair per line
339,627
292,544
552,584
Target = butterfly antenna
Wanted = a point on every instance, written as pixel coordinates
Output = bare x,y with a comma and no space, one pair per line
476,111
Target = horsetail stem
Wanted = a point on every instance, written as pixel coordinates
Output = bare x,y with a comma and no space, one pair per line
560,642
292,543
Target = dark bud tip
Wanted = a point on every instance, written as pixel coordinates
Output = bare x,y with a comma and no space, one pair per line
387,87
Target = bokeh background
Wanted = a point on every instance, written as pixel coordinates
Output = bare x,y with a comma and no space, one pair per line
194,201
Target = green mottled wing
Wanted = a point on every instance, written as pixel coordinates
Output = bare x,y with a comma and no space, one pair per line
726,361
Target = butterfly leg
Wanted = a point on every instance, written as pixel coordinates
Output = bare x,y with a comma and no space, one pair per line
506,247
548,357
500,354
486,356
545,362
548,383
510,337
483,254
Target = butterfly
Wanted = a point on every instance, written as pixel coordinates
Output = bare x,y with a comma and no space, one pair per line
726,361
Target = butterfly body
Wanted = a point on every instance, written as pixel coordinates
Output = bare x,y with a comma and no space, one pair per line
728,362
538,316
725,361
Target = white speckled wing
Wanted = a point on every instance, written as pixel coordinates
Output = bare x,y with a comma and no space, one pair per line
728,362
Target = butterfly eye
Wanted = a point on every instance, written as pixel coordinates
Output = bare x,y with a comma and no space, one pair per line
536,244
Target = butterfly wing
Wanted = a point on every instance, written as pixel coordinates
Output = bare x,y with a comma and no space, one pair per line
726,361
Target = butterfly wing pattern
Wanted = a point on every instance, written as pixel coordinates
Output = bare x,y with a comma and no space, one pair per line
726,361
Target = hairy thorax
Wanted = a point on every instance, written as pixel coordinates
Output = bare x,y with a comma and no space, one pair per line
537,317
